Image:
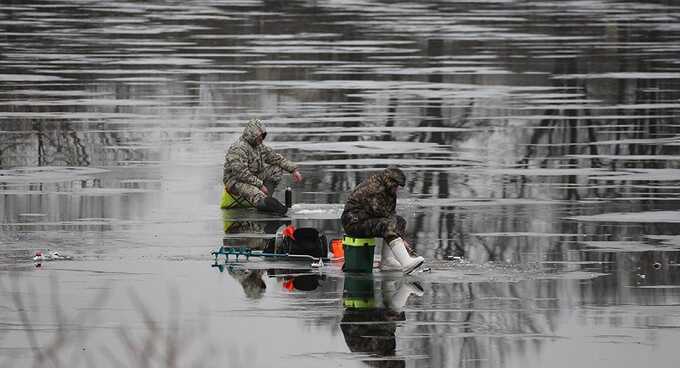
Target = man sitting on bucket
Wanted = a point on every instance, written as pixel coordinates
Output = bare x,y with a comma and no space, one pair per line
370,212
252,170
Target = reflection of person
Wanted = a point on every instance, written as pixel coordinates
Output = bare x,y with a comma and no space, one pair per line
256,235
370,327
252,170
370,211
251,281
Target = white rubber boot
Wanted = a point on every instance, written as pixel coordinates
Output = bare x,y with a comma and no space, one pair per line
408,263
387,260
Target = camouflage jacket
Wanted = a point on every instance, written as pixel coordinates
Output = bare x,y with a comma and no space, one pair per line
370,199
245,160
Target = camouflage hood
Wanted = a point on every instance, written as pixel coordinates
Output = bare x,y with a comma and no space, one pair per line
393,175
253,129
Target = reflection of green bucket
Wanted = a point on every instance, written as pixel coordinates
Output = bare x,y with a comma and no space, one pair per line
359,292
358,254
228,201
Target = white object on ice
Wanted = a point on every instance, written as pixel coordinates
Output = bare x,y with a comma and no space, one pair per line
318,264
53,256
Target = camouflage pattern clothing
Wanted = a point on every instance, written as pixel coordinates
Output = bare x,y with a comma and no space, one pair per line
370,210
250,279
373,331
249,165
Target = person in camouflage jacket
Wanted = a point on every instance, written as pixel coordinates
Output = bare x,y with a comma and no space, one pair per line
370,211
252,170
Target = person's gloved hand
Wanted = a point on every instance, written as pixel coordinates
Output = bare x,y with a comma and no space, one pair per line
297,177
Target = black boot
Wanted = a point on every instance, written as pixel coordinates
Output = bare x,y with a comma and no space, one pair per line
271,205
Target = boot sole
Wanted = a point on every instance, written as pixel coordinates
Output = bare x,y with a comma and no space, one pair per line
389,268
413,267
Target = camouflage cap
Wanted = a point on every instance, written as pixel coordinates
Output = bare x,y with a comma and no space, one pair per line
396,175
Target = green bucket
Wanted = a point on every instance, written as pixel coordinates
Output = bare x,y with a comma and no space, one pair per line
358,254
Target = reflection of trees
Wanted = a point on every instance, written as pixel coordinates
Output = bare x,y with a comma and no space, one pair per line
6,147
483,323
48,144
53,140
572,131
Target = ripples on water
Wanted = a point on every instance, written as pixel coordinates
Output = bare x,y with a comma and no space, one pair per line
540,138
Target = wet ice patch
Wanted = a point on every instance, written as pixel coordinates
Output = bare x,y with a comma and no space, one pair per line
144,29
326,49
110,191
620,75
145,72
73,116
479,202
373,147
631,217
316,211
85,102
279,42
543,172
349,130
54,93
670,240
266,36
371,163
30,78
463,271
160,61
67,224
641,175
396,70
571,275
526,234
629,157
138,80
48,174
623,246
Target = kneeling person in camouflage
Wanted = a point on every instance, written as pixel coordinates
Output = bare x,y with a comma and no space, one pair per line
252,170
370,211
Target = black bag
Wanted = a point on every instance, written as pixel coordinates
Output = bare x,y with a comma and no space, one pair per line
307,242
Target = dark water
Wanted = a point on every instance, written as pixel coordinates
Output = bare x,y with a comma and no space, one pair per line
541,141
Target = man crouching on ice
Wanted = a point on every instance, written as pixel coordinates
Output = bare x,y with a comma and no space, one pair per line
252,170
370,212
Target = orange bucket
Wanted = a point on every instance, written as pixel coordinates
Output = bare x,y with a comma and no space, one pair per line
336,248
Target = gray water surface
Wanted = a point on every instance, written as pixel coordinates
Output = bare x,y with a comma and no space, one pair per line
540,140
